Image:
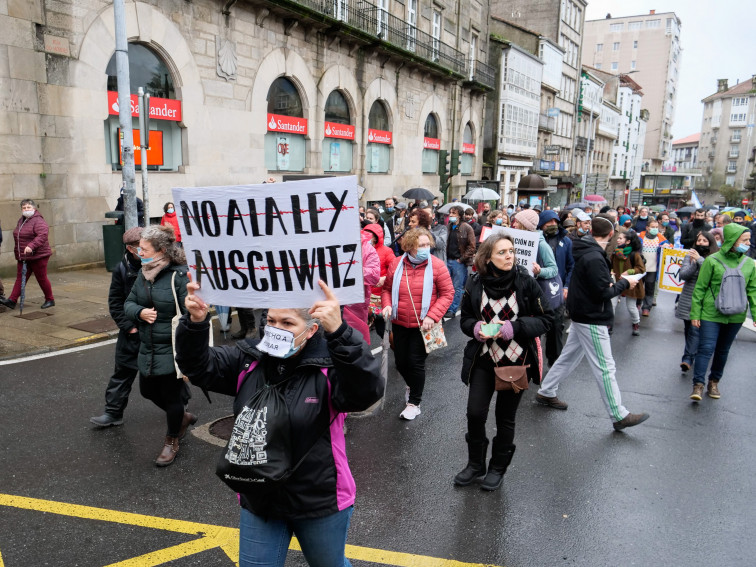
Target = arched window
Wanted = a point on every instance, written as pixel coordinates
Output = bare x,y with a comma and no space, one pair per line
378,158
431,145
338,134
285,142
147,70
468,150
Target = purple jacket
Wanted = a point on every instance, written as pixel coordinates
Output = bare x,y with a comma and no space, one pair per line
32,232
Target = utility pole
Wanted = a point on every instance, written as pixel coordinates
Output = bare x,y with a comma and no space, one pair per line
144,144
124,116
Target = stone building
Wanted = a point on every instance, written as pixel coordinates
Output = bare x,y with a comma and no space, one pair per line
241,91
728,145
648,45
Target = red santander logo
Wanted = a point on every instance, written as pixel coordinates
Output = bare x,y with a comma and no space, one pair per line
290,124
344,131
468,148
379,136
431,143
160,108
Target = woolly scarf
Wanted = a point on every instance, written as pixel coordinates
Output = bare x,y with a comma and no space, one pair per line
427,287
152,269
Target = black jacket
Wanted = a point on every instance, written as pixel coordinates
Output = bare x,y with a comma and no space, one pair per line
156,344
353,384
689,232
591,288
534,319
121,282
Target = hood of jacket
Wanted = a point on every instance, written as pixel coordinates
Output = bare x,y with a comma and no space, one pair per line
731,234
377,231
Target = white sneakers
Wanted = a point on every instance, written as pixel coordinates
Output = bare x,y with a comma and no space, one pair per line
410,412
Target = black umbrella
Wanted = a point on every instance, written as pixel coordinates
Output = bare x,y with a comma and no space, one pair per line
686,211
578,205
23,289
419,194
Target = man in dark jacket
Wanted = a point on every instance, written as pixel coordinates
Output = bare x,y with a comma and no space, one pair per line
477,227
640,222
689,232
556,237
460,250
590,304
127,346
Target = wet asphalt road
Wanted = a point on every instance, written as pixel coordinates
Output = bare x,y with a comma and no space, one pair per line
678,490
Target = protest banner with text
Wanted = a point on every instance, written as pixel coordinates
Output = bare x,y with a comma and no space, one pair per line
268,245
671,262
525,243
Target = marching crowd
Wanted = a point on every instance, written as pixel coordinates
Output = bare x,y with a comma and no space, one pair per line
424,265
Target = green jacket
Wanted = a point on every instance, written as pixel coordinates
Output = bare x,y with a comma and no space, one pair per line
156,348
710,278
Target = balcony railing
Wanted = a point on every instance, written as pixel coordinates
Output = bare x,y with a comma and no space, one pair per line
483,74
735,139
547,123
732,169
734,153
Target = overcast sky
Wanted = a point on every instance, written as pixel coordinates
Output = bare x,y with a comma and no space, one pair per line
718,42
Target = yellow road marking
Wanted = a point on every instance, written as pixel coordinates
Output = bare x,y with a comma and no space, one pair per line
225,538
1,560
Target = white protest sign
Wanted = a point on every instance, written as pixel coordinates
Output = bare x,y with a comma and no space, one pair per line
268,245
525,243
671,262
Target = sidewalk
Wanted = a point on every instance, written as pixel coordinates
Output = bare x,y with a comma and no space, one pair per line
80,314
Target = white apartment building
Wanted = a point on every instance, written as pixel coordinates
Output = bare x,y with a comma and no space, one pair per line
648,45
627,156
590,100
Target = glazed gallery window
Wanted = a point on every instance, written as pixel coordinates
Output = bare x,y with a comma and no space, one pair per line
466,165
147,70
338,142
285,150
430,155
378,151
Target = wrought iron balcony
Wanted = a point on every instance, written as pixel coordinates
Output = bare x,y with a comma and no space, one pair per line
483,74
369,22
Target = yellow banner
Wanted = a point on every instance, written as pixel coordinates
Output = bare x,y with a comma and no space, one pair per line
669,274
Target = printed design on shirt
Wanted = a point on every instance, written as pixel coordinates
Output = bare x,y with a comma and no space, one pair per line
249,438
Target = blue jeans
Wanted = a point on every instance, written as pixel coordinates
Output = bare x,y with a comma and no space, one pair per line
266,543
458,273
691,343
713,339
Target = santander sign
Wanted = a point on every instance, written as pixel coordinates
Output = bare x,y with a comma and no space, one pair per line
160,108
289,124
379,136
334,130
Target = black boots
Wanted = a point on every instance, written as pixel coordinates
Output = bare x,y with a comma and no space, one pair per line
246,322
476,461
500,458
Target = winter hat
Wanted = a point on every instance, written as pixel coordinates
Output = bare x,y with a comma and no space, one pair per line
528,219
568,223
624,219
375,230
546,216
132,235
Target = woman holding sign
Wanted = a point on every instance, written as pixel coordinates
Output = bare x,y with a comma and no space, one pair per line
152,305
322,374
417,292
504,311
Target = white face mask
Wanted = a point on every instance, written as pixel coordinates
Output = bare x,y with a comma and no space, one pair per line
279,342
28,214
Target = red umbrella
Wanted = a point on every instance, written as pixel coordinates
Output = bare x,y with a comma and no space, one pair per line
595,198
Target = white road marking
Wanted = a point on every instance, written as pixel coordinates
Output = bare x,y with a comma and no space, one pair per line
56,353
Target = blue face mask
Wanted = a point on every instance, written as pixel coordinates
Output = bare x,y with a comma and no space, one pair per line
423,254
653,231
452,220
665,223
499,221
389,209
719,243
170,211
146,260
742,248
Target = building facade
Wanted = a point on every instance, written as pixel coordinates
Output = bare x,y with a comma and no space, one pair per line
241,91
685,156
728,144
648,45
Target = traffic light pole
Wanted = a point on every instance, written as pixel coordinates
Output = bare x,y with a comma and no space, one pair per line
144,144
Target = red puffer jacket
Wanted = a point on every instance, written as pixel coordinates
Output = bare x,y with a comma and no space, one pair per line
32,232
441,299
385,253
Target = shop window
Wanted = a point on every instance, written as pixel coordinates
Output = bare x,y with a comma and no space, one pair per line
378,158
468,151
285,150
431,145
338,138
147,70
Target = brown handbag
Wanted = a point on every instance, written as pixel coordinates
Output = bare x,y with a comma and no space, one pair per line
512,378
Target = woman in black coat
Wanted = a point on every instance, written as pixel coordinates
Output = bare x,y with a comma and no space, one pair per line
504,294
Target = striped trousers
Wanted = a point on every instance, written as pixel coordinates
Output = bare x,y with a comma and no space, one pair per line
591,342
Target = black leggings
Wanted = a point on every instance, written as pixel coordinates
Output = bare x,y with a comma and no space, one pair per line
479,400
410,355
169,394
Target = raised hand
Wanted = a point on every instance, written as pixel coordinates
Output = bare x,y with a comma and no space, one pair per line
194,305
327,310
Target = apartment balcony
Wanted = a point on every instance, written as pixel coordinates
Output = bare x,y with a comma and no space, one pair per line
735,139
366,24
731,169
713,140
546,123
733,153
483,76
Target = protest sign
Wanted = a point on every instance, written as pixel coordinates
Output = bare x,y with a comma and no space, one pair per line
669,274
268,245
525,243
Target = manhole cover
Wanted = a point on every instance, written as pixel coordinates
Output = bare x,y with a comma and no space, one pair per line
222,427
101,325
33,315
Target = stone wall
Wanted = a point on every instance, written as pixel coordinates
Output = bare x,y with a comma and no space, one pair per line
53,56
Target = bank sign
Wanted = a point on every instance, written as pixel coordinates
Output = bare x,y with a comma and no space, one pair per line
334,130
289,124
160,108
379,136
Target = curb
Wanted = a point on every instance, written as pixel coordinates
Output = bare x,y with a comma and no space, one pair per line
96,338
